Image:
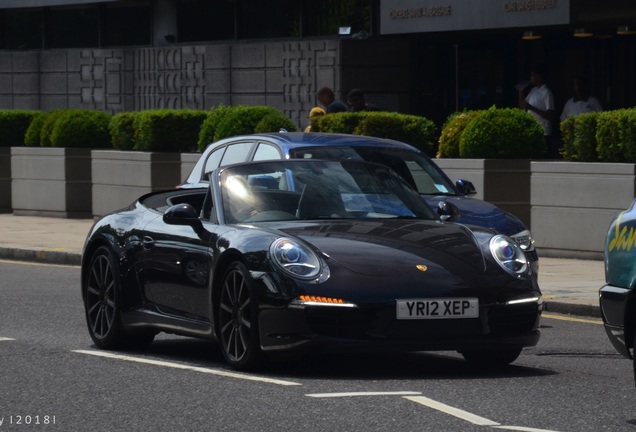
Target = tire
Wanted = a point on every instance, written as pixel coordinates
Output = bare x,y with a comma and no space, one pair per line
491,358
102,303
634,356
237,312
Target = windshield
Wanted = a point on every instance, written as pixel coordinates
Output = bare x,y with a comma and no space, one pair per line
415,168
302,189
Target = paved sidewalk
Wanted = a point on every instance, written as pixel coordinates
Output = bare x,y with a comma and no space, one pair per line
569,286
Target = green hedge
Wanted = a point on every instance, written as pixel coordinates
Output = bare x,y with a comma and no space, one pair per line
47,127
81,128
452,132
73,128
33,132
342,122
223,122
415,130
579,138
122,130
616,135
274,123
14,125
495,133
167,130
242,119
608,136
503,133
209,125
568,127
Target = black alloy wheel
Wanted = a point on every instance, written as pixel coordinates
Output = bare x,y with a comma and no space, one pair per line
491,358
103,308
237,319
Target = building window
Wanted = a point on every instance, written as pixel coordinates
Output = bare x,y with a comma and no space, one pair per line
128,24
324,18
73,27
21,29
266,19
205,20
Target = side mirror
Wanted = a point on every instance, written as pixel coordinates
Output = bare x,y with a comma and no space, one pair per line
465,187
447,211
183,214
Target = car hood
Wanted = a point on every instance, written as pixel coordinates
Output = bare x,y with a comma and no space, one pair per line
383,247
481,213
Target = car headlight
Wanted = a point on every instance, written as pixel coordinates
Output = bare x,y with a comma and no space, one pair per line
508,255
524,240
295,259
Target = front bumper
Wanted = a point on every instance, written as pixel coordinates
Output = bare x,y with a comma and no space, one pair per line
376,327
613,301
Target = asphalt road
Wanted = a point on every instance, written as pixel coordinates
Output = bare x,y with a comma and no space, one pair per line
50,374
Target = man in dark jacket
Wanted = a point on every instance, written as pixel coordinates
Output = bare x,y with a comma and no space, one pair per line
327,98
358,103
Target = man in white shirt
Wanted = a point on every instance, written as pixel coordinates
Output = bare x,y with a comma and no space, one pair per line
582,102
540,103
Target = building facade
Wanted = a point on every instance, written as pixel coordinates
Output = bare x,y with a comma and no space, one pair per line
425,57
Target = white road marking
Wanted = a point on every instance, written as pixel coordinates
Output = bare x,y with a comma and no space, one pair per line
334,395
187,367
5,339
456,412
410,395
469,417
522,428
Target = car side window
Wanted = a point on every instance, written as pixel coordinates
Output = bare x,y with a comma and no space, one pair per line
236,153
426,179
213,162
266,152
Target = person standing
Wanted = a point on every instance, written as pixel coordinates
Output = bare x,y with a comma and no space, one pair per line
315,112
540,104
358,103
327,99
582,102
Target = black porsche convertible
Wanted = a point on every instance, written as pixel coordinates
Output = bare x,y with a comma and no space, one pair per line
293,255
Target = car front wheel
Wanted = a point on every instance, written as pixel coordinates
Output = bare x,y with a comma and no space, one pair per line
103,305
237,319
491,358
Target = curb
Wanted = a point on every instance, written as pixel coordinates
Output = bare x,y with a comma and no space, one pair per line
46,256
572,309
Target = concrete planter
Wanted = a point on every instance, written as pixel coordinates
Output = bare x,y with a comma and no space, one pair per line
120,177
188,160
573,204
5,179
502,182
51,182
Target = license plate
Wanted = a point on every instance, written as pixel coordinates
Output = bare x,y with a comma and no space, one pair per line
438,308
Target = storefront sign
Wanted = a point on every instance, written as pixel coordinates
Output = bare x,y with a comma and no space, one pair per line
421,16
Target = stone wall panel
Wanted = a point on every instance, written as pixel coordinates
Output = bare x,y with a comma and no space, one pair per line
248,56
26,62
6,62
53,61
284,75
26,83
